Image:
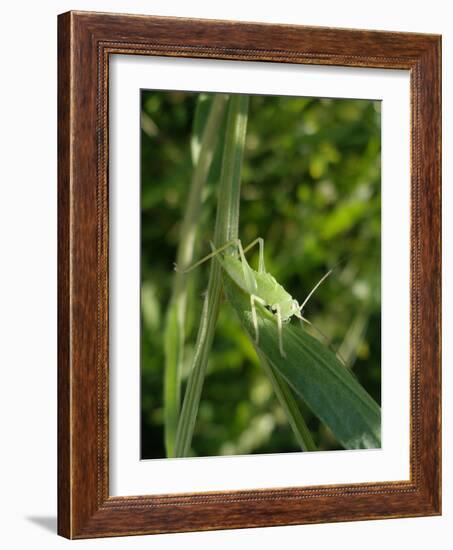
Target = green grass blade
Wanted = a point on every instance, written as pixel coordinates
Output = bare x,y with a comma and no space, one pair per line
313,371
208,118
289,404
226,228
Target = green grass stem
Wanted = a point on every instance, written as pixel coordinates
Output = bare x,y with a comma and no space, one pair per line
226,229
174,335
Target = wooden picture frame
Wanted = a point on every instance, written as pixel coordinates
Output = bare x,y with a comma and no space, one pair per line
85,42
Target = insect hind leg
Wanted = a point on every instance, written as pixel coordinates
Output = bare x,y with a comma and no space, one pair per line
260,242
214,252
253,299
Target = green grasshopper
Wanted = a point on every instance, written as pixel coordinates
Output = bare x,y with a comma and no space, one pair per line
261,286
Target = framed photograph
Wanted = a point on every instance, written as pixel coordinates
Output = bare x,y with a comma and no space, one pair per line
249,275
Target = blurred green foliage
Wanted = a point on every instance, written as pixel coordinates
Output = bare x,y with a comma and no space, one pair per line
311,189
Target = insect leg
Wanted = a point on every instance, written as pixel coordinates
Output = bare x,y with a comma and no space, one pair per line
260,242
247,271
253,299
209,256
278,313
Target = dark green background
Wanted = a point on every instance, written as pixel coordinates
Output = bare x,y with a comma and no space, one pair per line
311,189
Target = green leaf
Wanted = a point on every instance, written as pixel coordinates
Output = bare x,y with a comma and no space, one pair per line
329,389
289,404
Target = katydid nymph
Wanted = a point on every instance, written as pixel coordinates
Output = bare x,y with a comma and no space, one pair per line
261,286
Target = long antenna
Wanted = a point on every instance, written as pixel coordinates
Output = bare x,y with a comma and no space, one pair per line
314,288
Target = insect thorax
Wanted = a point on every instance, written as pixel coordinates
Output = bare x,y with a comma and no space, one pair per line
263,285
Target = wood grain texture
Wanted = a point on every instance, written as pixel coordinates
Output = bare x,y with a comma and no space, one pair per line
85,42
64,369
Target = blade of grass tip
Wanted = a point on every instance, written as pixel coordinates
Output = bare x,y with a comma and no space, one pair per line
289,405
226,228
176,312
